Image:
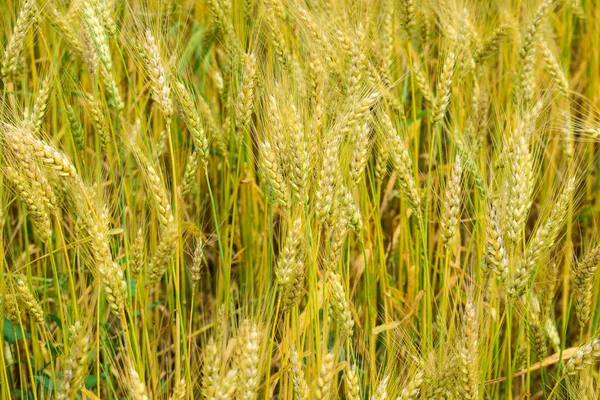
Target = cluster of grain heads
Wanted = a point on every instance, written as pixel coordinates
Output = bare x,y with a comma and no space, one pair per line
301,140
222,383
95,215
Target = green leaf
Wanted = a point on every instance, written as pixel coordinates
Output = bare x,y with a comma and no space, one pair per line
46,381
12,333
91,381
420,115
150,307
131,287
56,319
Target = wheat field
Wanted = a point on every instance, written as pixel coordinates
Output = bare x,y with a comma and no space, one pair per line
299,199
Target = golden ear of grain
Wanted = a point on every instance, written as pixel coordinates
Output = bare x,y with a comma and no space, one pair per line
76,367
271,172
402,163
210,369
248,360
583,357
12,52
452,200
583,280
290,267
159,80
98,119
301,390
179,391
444,88
324,383
137,387
29,303
339,304
527,52
76,128
351,383
412,388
